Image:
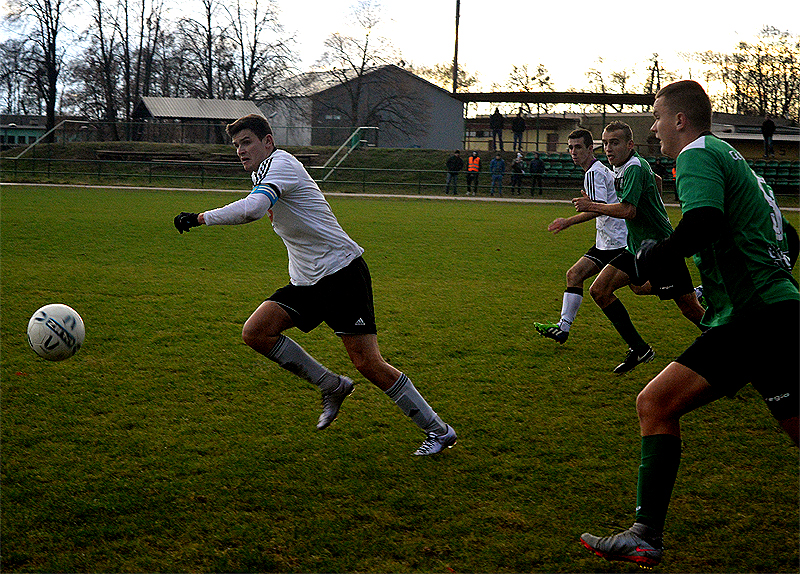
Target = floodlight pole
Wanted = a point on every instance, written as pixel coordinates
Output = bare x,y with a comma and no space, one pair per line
455,55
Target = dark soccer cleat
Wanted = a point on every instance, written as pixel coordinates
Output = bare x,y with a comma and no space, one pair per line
435,443
633,359
332,402
552,331
632,545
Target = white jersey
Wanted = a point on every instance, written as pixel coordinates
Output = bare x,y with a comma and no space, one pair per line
598,183
300,215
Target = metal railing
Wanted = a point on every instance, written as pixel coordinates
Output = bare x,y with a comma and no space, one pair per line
353,142
229,175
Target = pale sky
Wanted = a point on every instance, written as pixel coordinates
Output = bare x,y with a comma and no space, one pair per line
567,38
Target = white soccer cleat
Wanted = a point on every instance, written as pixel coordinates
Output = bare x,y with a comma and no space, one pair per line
435,443
332,402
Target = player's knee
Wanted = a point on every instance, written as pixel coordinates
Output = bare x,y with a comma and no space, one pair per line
599,294
250,335
256,337
574,278
647,407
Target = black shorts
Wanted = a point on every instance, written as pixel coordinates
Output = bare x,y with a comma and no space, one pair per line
672,282
602,257
741,352
342,300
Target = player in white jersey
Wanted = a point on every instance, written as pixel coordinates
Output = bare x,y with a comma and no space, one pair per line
329,281
643,211
610,240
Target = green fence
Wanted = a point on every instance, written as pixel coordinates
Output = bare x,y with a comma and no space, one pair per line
163,171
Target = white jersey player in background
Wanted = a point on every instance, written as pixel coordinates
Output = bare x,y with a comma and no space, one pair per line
610,240
330,282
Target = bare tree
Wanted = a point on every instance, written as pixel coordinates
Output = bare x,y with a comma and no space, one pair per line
47,52
105,40
200,39
150,37
347,59
18,90
616,82
140,31
262,65
760,77
442,75
521,79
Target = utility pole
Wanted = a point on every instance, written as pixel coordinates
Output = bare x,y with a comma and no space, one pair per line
455,55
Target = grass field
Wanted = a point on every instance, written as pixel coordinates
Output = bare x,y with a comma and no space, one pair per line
166,445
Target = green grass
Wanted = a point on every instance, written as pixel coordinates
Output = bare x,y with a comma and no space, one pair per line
166,445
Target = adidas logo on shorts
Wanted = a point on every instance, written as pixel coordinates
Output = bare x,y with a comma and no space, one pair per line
360,322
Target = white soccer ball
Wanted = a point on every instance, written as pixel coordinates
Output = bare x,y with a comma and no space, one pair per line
56,332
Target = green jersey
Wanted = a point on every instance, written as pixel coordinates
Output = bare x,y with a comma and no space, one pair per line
635,183
745,268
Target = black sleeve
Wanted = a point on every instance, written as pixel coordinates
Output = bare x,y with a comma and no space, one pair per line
698,229
793,241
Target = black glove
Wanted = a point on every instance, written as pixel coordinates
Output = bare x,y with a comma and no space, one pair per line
647,259
185,221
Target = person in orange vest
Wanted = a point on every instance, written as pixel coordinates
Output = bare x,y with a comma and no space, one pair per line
473,168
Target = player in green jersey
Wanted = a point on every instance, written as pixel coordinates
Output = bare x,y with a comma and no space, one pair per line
734,229
645,216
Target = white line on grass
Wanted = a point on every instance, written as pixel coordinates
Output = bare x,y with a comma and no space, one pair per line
332,194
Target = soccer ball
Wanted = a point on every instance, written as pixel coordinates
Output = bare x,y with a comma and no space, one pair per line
56,332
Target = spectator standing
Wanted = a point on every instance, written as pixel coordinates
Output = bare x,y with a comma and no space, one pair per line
473,169
496,123
536,168
660,170
518,129
768,130
454,165
497,168
517,169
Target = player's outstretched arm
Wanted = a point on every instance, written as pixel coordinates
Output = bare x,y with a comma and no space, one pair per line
622,210
561,223
558,224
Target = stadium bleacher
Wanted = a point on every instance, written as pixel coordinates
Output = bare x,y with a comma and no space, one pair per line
781,175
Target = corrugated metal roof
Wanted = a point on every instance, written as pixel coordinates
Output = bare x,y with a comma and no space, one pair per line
195,108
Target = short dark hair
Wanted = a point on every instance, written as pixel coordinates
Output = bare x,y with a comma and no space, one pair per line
688,97
618,126
253,122
585,135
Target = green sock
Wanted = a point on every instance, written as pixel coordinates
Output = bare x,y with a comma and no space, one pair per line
619,317
661,456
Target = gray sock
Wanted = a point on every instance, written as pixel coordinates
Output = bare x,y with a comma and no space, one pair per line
294,359
406,396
